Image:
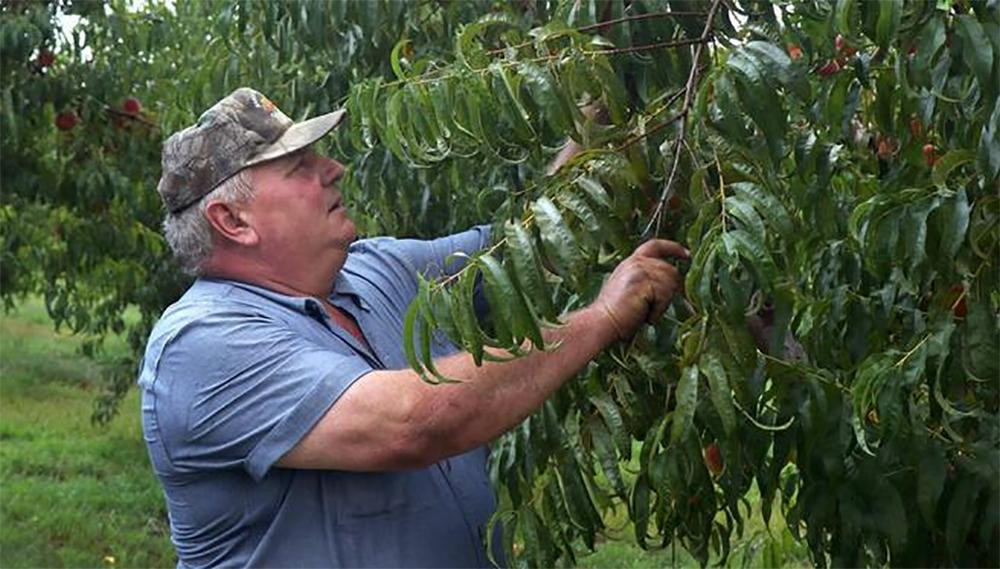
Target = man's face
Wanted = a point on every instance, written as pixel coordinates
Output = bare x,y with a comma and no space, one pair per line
297,212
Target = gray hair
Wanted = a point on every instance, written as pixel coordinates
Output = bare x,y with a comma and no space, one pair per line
189,233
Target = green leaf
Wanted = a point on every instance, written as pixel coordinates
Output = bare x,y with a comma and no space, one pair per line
745,213
961,512
742,244
606,455
889,14
613,419
768,206
776,63
947,163
501,296
582,211
549,98
514,109
595,191
891,515
930,481
844,16
977,50
639,510
578,502
394,58
687,401
528,268
988,153
409,349
721,395
952,220
760,101
613,90
460,305
559,242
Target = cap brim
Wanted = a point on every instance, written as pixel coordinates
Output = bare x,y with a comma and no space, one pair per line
300,135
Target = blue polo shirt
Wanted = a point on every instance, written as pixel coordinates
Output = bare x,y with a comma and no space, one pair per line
235,375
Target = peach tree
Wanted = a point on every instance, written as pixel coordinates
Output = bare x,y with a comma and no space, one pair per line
832,164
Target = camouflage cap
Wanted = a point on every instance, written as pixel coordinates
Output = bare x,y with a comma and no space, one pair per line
241,130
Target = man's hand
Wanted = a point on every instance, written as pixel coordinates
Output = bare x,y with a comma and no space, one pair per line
640,288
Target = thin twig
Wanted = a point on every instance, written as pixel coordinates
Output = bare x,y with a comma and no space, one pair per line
657,216
634,48
609,23
448,74
599,25
907,355
636,138
130,116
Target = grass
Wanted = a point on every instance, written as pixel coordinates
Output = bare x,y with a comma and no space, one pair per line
76,495
71,494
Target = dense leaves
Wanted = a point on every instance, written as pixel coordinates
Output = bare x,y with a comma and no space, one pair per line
832,165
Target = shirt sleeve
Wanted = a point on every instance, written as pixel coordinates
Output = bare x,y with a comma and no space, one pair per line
431,258
239,390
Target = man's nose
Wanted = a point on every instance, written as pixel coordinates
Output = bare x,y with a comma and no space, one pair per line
334,171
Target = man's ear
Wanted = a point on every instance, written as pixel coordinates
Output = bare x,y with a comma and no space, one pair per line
231,223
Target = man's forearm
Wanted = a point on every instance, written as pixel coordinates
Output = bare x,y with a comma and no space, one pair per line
496,396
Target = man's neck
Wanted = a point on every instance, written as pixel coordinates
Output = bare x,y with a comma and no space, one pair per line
315,284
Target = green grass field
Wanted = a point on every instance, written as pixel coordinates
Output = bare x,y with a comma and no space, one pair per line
76,495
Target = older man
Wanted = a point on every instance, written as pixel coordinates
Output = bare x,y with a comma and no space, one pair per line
279,412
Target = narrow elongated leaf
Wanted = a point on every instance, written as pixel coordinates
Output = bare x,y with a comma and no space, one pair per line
947,163
976,49
769,207
741,243
604,448
953,222
844,15
582,211
613,88
777,64
527,268
930,482
961,512
889,14
687,401
514,109
595,191
613,419
501,296
745,212
548,97
891,515
721,395
560,244
409,323
639,511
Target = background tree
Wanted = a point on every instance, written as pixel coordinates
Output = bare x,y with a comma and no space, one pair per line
831,164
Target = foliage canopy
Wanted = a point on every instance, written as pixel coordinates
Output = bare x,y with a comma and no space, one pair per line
833,166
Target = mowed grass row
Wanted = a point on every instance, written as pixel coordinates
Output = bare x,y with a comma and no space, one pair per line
76,495
71,494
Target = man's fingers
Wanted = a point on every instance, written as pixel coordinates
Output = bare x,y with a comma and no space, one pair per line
662,248
662,302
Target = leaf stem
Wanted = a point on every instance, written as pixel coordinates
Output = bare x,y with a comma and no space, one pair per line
907,355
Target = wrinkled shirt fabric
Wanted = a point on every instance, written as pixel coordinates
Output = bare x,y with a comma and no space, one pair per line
235,375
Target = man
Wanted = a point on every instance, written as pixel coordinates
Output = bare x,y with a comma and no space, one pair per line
277,406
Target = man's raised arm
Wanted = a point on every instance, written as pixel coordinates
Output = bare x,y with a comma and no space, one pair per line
391,420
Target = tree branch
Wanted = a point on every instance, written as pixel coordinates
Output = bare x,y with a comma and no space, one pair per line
657,217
